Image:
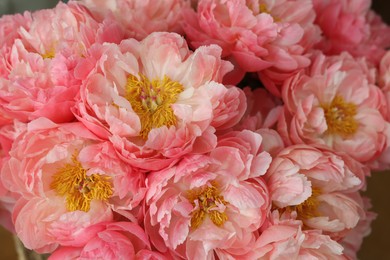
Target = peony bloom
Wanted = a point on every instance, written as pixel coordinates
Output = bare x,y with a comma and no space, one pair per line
139,18
37,72
210,205
349,25
155,100
283,237
34,87
64,180
43,223
336,104
72,29
114,240
321,186
255,35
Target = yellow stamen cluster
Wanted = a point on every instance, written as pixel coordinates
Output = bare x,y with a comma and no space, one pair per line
339,116
309,208
263,8
206,200
48,55
79,188
152,100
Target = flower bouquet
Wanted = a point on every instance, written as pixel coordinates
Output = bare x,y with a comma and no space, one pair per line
176,129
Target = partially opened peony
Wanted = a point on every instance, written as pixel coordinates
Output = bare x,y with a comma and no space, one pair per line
320,186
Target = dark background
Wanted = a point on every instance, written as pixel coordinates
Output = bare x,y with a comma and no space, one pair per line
376,246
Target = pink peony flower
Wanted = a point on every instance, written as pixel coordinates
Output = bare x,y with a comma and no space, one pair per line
283,237
349,25
255,35
114,240
72,29
208,206
335,104
62,176
321,186
43,223
140,18
34,87
37,72
155,100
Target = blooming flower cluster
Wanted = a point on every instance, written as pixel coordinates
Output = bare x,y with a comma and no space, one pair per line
177,129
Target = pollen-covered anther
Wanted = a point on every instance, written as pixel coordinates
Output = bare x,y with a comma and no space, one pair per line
309,208
48,55
79,188
340,117
152,100
207,202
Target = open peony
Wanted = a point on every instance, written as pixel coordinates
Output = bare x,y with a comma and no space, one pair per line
210,205
160,100
64,180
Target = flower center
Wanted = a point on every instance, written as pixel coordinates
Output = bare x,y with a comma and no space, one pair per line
48,55
79,188
263,8
152,101
339,117
308,208
207,202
